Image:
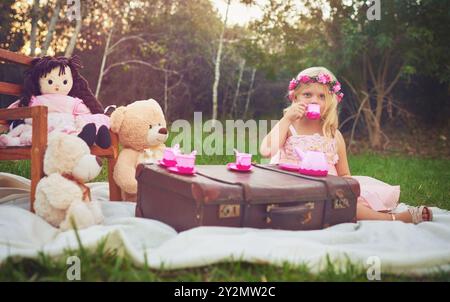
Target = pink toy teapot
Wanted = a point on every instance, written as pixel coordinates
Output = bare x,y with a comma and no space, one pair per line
313,163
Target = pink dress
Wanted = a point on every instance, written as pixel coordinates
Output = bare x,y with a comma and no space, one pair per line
65,114
72,107
375,194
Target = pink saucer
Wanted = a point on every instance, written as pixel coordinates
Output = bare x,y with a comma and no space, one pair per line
175,170
312,172
232,166
161,162
289,167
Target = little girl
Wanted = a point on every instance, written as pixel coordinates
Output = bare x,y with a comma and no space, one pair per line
317,85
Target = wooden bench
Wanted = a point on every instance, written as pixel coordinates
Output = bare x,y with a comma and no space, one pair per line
35,152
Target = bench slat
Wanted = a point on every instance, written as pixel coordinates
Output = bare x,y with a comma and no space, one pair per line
15,153
6,55
10,88
19,113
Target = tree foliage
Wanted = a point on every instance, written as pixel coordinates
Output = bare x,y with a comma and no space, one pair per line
166,49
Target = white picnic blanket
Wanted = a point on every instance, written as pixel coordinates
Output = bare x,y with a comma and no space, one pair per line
400,247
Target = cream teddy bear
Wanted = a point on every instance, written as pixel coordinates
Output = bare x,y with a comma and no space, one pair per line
142,131
61,196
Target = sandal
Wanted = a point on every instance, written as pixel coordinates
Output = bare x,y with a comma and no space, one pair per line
393,216
417,214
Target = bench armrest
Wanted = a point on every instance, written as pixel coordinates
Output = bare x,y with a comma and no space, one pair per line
23,112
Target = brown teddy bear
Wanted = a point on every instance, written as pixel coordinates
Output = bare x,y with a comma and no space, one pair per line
142,131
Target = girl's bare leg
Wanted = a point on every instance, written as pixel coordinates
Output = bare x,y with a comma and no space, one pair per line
365,213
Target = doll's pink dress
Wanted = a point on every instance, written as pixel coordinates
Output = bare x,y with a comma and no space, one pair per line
375,194
65,114
72,107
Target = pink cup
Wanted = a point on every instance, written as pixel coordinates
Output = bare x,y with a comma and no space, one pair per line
185,162
313,111
243,161
169,157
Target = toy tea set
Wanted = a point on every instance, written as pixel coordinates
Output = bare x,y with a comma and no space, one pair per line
175,161
313,163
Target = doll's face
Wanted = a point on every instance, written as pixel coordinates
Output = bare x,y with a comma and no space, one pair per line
54,83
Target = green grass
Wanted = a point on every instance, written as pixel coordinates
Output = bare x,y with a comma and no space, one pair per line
106,265
422,181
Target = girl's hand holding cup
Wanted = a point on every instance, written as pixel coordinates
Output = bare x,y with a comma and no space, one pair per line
295,111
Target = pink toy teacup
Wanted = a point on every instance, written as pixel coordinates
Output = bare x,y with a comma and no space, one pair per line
186,162
313,163
243,161
313,111
170,156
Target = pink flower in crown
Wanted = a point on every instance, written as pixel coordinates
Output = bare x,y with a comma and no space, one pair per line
291,95
304,79
340,96
323,78
293,84
336,87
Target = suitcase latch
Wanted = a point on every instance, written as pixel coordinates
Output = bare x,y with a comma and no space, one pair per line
340,202
229,210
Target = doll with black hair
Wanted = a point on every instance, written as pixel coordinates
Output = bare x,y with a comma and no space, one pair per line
55,82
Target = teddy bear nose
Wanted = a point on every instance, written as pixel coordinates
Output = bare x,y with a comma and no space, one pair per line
162,131
99,161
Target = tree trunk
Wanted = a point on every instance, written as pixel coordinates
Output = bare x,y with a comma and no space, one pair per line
73,40
376,135
249,93
375,140
382,90
51,27
102,67
34,21
238,85
166,81
217,67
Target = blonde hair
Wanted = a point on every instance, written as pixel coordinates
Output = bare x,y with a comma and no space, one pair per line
329,117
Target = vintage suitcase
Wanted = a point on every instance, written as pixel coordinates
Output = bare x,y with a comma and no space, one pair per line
266,197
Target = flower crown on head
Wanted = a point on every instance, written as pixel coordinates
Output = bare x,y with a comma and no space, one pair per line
321,78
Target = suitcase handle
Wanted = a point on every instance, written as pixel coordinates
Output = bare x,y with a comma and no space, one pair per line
282,212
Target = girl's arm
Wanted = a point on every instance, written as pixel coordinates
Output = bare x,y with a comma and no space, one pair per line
277,136
275,139
342,165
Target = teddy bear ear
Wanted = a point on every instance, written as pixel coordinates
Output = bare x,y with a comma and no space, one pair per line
156,105
116,118
109,110
55,138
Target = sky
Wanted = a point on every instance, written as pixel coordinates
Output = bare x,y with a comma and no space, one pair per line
238,13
